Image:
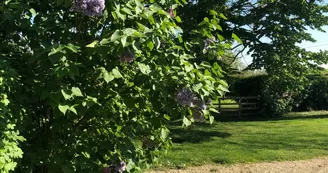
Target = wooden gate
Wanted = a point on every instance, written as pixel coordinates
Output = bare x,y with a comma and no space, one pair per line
242,106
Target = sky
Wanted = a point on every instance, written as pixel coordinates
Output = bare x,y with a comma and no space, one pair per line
322,41
320,44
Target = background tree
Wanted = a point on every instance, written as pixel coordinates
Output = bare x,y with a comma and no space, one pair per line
269,30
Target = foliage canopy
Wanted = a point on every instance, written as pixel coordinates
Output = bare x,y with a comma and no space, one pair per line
85,89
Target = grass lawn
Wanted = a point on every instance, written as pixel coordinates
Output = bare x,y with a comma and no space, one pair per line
295,136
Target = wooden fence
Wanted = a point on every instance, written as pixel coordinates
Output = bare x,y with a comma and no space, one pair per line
243,106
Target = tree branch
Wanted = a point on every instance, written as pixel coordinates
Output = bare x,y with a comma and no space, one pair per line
235,57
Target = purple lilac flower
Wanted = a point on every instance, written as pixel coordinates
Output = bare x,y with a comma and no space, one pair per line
107,170
204,107
185,97
199,103
198,116
121,167
89,7
127,57
208,42
171,12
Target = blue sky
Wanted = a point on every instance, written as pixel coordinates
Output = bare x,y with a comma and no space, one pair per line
322,41
320,44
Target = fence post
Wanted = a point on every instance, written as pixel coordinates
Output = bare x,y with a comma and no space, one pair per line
240,106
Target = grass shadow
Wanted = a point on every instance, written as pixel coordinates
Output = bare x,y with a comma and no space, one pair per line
195,135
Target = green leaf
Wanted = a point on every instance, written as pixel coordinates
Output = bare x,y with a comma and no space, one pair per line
76,92
129,31
10,166
108,76
63,108
66,95
211,119
207,73
2,162
222,88
178,19
72,109
180,39
73,48
116,73
127,11
223,16
235,37
164,133
214,13
145,69
186,121
123,41
56,50
117,34
157,42
214,110
93,44
167,117
150,45
33,12
131,165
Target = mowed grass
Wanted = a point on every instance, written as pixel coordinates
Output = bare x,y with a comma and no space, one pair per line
295,136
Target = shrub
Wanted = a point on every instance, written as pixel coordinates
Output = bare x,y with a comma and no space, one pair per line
316,95
276,95
91,84
249,85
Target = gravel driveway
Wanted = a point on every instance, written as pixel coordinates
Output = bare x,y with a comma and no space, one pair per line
317,165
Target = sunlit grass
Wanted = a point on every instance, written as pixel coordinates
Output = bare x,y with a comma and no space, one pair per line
295,136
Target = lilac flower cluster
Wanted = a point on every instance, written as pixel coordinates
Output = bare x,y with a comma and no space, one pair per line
198,115
127,57
208,42
89,7
171,12
186,98
121,167
118,168
107,170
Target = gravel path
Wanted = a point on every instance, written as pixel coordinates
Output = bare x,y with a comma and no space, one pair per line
317,165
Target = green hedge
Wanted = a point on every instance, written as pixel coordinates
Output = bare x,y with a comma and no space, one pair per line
277,99
316,95
246,85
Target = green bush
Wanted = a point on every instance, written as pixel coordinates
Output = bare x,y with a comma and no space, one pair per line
275,97
91,85
250,85
316,95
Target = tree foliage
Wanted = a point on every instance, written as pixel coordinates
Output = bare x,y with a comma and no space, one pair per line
92,90
269,31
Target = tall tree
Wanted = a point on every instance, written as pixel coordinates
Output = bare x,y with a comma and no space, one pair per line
270,31
268,28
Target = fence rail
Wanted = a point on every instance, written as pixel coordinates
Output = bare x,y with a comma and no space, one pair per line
243,105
